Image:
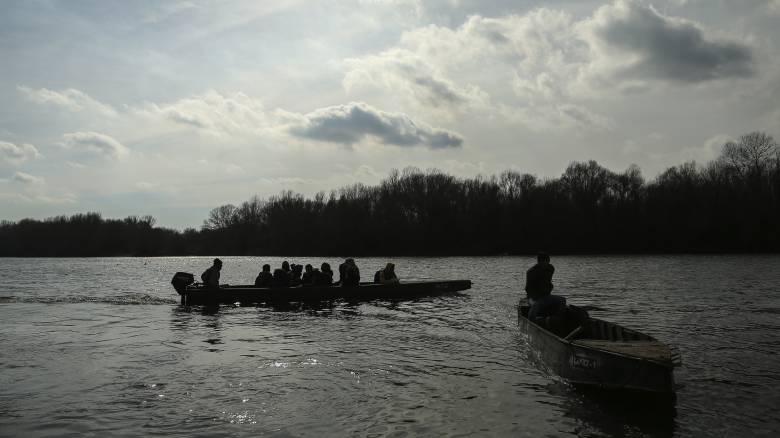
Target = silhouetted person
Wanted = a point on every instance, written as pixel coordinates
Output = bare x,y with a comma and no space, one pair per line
282,275
387,275
264,278
538,288
325,276
308,275
210,276
296,271
351,273
342,269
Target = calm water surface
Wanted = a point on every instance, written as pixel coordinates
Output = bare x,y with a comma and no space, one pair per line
101,347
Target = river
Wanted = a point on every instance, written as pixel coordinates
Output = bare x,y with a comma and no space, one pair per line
101,347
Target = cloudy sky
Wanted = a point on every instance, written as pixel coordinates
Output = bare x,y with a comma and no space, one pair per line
173,108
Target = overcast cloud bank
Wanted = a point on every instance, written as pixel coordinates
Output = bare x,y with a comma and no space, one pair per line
180,107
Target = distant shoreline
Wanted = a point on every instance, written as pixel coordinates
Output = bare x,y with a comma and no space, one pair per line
728,206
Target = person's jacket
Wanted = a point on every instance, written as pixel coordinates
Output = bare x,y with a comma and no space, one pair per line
538,281
210,277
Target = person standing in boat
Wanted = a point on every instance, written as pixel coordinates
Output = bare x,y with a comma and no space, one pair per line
210,276
538,288
264,278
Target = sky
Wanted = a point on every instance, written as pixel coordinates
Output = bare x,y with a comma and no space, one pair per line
173,108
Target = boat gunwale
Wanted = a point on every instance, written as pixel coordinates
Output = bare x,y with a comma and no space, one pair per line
669,364
198,287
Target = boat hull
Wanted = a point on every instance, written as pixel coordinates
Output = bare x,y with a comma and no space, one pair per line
592,367
364,292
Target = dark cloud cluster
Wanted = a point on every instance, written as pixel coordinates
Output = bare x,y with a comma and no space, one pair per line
352,122
670,48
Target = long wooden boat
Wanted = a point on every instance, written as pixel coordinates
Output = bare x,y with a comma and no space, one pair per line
249,294
602,354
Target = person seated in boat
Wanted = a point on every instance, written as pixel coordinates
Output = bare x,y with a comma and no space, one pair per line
351,273
210,276
296,272
538,287
377,276
325,275
308,275
342,268
387,275
282,276
264,278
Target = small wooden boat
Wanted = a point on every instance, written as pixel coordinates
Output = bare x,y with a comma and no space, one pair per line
602,354
192,293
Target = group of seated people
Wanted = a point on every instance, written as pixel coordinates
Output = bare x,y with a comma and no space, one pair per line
292,275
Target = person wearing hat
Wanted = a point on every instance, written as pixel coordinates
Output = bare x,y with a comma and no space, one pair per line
210,276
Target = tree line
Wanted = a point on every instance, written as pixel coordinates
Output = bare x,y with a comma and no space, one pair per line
731,204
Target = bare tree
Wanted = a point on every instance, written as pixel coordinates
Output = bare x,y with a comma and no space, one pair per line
587,182
751,154
220,217
627,186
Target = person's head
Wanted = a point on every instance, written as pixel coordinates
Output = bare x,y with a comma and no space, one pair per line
218,263
309,268
543,258
390,268
350,261
297,268
266,268
325,267
286,265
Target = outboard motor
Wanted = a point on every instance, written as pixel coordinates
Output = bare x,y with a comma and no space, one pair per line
181,280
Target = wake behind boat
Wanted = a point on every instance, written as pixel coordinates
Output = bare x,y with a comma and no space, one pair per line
592,352
192,293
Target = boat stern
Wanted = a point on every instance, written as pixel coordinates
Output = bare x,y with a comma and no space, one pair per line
181,280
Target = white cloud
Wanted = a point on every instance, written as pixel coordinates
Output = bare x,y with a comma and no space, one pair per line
146,186
212,112
75,164
70,98
412,78
774,6
556,64
353,122
27,179
234,169
96,143
17,154
67,198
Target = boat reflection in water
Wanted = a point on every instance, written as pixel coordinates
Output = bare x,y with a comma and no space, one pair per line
616,413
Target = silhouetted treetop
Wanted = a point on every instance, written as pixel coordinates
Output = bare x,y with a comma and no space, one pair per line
730,204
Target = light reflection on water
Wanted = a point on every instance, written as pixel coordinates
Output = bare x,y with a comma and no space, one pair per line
101,346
